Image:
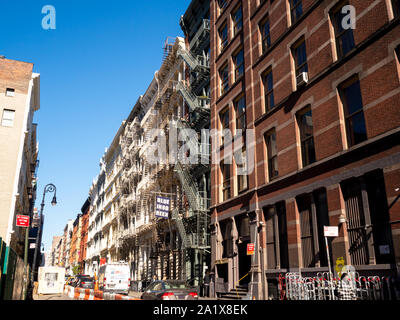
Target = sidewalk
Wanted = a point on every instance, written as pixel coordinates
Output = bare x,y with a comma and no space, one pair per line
134,294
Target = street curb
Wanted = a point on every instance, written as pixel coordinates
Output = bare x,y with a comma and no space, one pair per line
90,294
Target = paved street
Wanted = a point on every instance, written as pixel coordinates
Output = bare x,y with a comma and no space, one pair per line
51,297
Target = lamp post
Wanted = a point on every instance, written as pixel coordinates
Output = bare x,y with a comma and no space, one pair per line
48,188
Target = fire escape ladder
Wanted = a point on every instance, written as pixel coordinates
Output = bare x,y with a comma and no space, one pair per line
186,241
196,63
196,104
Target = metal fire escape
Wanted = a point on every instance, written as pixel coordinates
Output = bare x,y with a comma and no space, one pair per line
194,235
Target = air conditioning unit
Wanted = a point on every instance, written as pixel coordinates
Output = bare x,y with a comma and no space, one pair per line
301,79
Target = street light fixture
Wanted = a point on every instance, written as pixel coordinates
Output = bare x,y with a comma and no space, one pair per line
48,188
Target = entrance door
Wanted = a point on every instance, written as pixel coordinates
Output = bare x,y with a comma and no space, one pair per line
244,263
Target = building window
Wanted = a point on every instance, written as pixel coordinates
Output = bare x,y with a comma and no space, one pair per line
313,211
224,119
367,216
296,10
223,36
240,110
237,18
224,76
238,60
10,92
350,94
276,232
300,56
396,8
265,35
8,118
268,85
272,154
222,4
226,181
305,123
242,179
344,37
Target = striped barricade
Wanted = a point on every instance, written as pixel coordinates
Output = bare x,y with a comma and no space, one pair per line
90,294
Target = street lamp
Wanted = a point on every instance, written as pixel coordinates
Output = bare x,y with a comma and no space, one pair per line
48,188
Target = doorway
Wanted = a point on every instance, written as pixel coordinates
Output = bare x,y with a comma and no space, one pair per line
244,263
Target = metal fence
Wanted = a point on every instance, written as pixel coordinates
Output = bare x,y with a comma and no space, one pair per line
292,286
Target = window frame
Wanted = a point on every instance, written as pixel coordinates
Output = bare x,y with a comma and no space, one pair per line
347,117
280,241
265,37
224,114
268,92
304,139
240,116
271,154
293,16
294,48
4,120
242,180
317,220
226,181
235,22
10,92
238,66
223,42
224,83
222,4
395,8
339,35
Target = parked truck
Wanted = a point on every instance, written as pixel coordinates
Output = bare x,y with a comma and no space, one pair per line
51,280
115,277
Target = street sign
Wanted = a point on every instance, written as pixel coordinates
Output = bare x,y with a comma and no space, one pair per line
331,231
250,249
22,221
162,207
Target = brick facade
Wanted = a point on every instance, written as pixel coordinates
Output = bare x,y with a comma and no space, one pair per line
341,170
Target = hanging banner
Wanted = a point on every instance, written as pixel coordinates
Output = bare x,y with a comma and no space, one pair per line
162,207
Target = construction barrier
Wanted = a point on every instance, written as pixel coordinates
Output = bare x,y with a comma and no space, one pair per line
90,294
13,274
293,286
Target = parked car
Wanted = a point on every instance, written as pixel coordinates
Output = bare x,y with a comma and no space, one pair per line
74,282
115,277
169,290
85,283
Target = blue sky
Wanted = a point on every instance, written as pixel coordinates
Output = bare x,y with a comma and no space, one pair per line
94,66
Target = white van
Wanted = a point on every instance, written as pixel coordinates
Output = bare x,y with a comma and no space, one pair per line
114,277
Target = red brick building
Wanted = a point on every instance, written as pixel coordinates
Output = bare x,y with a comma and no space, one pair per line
323,100
75,242
84,234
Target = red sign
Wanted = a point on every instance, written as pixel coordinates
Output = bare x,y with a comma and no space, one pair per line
250,249
22,221
103,261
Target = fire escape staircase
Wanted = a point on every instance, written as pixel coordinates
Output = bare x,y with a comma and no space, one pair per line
198,206
197,104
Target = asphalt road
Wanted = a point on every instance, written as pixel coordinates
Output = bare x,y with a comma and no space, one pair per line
53,297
